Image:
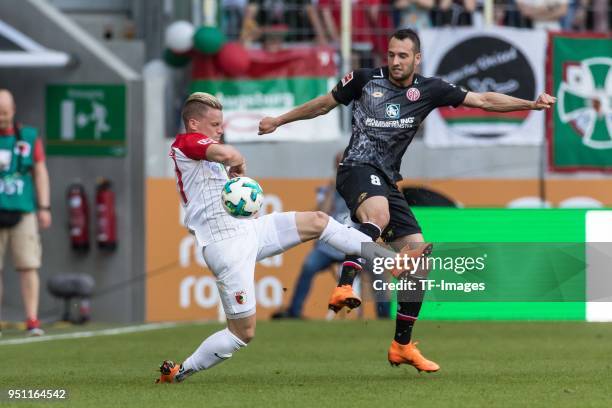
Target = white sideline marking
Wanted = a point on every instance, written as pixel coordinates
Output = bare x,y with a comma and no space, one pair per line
91,333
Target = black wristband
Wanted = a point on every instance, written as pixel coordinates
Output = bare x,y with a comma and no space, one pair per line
42,207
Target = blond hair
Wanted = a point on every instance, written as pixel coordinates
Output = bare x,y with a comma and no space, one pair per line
197,104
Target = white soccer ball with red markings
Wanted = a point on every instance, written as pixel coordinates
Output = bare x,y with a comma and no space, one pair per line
242,197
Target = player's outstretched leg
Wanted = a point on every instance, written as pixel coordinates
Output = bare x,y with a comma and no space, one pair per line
348,240
343,294
215,349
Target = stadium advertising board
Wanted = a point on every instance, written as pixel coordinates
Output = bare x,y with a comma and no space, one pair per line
580,125
275,83
520,193
505,60
177,273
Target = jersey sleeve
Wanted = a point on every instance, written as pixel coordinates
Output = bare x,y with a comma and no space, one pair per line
39,151
196,147
447,94
349,87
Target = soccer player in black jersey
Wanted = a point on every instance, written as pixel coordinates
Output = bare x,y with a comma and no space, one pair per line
389,104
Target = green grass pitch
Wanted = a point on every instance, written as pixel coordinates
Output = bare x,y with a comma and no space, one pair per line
329,364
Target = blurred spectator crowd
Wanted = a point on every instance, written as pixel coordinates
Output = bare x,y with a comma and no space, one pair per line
372,21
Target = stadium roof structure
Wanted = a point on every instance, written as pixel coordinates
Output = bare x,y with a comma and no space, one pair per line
19,50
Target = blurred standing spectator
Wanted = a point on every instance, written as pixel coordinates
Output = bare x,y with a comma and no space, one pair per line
371,25
579,18
299,16
602,15
322,255
507,13
233,14
414,14
24,204
454,12
273,38
544,14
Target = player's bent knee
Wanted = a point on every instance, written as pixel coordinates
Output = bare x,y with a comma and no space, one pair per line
379,219
320,221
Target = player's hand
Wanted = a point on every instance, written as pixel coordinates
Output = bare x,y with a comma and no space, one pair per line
44,219
267,125
544,101
238,170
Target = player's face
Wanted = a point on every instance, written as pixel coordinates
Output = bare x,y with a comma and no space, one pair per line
7,111
401,59
211,124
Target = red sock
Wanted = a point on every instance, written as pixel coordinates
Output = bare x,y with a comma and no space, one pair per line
32,324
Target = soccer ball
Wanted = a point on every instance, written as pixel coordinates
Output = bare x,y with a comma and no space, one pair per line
242,197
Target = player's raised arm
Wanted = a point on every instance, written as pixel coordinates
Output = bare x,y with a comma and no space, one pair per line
311,109
497,102
228,156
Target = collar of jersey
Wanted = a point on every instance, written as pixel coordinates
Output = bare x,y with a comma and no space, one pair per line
197,134
414,77
7,132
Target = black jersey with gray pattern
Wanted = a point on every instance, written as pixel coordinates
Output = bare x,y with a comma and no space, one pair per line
386,117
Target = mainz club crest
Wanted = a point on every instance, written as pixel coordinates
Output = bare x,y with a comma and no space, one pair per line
413,94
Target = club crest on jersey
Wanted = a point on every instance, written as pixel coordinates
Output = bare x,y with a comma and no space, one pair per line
392,110
240,297
347,78
413,94
22,148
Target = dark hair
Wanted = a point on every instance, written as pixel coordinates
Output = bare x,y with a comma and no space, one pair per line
411,35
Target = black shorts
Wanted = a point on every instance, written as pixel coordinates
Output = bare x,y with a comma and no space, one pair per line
357,183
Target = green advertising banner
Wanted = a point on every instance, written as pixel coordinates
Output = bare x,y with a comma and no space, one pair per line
246,101
86,120
579,127
549,230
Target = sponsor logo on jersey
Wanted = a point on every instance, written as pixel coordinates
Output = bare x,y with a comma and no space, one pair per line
240,297
392,110
205,141
347,78
413,94
377,94
404,123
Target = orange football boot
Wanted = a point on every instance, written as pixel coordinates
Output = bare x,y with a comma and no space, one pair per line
422,250
343,296
410,354
168,370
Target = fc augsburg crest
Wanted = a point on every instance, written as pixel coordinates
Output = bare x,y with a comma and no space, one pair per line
585,100
579,126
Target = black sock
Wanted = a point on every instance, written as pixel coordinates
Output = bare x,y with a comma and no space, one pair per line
407,314
352,263
350,267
